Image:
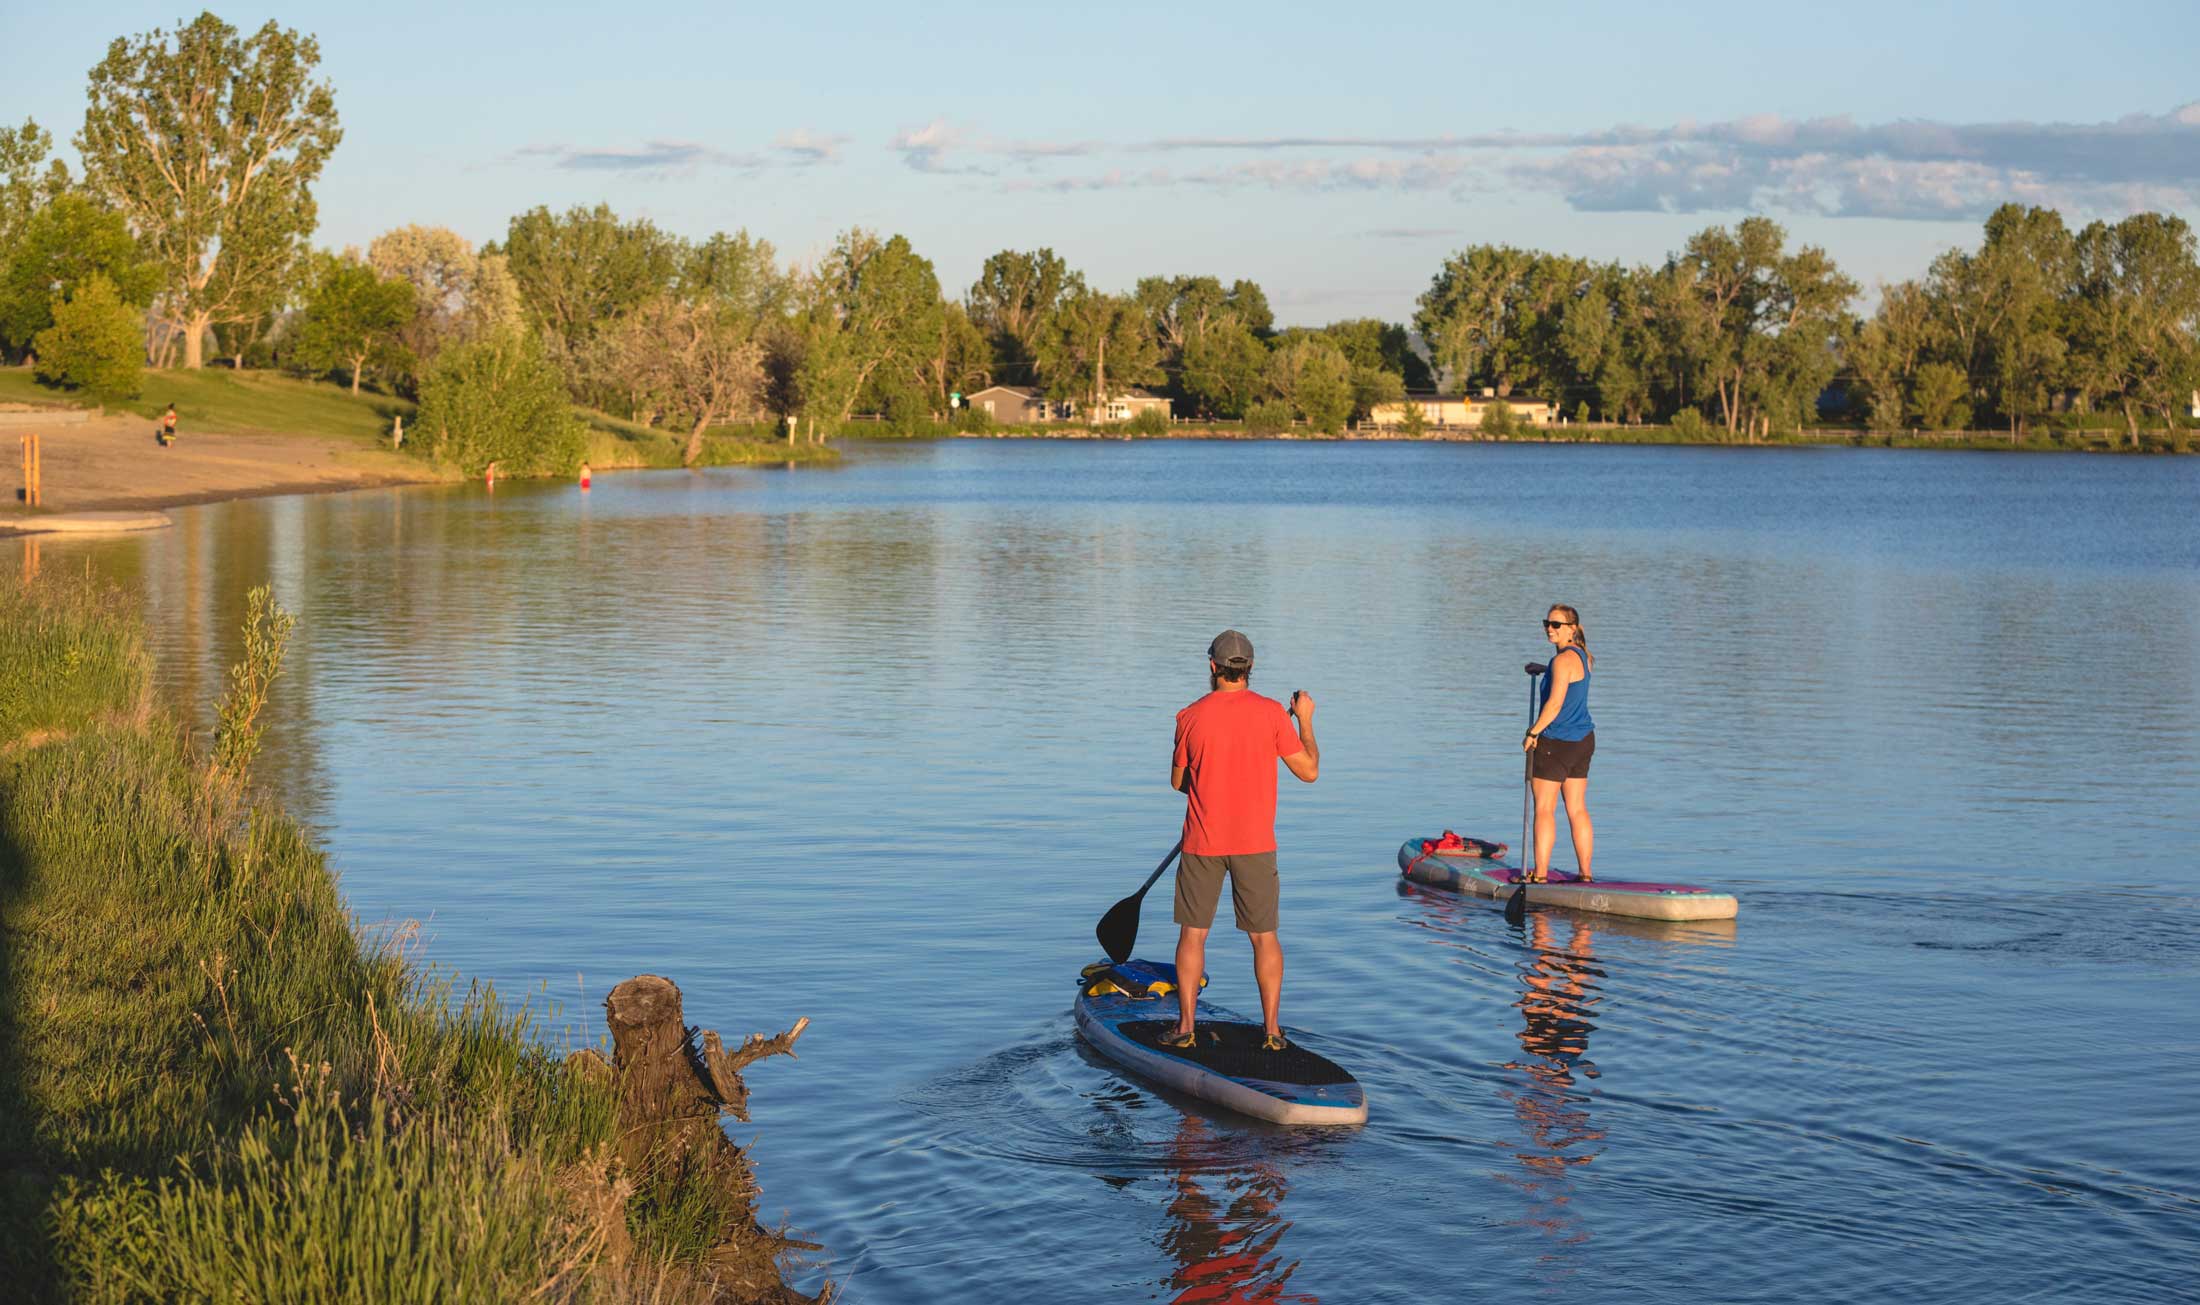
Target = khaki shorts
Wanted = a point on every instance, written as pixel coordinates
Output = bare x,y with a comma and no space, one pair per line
1252,890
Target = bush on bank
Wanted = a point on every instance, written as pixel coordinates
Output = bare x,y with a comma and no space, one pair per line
499,399
210,1086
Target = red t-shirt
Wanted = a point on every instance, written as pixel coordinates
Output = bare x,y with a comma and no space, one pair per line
1229,743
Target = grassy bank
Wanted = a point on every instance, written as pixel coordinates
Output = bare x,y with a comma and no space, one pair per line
222,402
212,1088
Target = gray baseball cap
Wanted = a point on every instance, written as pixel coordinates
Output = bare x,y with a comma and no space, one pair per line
1231,649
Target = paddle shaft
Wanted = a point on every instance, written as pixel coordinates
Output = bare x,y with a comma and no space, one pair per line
1155,877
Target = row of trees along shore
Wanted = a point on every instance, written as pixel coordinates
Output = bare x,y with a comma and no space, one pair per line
193,219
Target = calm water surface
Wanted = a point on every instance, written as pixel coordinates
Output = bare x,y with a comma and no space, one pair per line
878,744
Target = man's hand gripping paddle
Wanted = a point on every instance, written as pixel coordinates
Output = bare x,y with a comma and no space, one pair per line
1516,906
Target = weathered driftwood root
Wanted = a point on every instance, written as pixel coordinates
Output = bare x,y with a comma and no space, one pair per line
672,1090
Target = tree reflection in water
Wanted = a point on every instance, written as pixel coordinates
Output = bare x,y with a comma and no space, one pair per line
1558,994
1224,1229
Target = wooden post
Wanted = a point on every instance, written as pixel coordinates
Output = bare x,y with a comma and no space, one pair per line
31,471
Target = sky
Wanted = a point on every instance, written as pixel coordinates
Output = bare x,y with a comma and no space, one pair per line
1334,153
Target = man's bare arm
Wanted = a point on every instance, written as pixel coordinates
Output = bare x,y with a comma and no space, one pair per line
1306,763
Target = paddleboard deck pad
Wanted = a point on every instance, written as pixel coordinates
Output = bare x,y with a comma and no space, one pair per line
1123,1011
1644,901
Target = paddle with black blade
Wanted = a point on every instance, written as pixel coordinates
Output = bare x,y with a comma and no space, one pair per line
1118,929
1516,906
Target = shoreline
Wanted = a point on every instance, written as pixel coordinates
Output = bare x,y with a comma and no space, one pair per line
109,465
161,912
112,463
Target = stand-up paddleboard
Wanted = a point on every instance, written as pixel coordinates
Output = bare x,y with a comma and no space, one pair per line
1470,872
1123,1011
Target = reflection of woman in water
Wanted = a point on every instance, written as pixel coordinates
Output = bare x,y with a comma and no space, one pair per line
1225,1242
1557,997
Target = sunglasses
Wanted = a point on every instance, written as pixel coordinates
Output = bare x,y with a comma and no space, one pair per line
1556,625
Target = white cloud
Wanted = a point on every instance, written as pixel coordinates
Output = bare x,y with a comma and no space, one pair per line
1828,165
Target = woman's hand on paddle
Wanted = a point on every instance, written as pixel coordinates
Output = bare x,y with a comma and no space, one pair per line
1527,743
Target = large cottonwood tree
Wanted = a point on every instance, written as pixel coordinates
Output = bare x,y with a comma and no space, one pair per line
209,143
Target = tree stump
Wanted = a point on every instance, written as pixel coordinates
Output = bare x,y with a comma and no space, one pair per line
672,1090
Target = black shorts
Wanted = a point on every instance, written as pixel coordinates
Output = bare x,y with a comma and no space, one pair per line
1559,759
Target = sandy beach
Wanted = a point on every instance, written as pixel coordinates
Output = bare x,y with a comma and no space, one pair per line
114,462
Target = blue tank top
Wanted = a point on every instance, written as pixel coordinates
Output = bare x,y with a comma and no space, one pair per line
1572,723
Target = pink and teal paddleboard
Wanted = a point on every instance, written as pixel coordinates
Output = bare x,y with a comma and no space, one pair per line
1473,870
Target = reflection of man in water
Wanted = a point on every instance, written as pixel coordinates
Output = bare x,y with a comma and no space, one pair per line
1226,1249
1555,1003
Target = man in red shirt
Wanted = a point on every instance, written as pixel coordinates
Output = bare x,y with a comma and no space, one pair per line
1227,746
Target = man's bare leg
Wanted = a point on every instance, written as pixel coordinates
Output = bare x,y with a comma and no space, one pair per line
1268,973
1191,965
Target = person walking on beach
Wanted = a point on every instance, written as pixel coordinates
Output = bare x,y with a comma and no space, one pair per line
1560,743
1227,746
167,427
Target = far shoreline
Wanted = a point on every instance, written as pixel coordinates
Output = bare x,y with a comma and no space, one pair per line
111,466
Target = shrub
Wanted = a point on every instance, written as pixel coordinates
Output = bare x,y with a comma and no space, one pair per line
1689,424
1149,421
96,343
1581,413
1413,421
974,420
1268,417
1498,419
1939,394
499,399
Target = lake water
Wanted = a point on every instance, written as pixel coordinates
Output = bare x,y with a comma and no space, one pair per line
878,744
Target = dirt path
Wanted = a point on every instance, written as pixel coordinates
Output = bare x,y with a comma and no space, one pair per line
114,462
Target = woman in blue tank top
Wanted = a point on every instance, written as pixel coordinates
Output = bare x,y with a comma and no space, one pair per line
1560,743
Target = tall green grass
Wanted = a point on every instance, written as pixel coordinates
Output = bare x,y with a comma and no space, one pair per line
211,1088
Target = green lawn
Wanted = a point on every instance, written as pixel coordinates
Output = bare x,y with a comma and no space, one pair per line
220,401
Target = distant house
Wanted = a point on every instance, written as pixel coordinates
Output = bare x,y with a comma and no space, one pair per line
1023,404
1459,410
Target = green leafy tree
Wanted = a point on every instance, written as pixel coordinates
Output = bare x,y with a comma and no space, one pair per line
1887,351
2024,269
352,320
1224,370
1094,346
2136,311
1310,373
1412,420
96,343
1762,322
1940,394
1011,300
871,321
1494,315
209,144
499,399
28,179
457,291
578,271
63,243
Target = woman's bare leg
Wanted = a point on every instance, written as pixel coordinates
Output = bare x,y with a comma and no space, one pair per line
1546,824
1576,793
